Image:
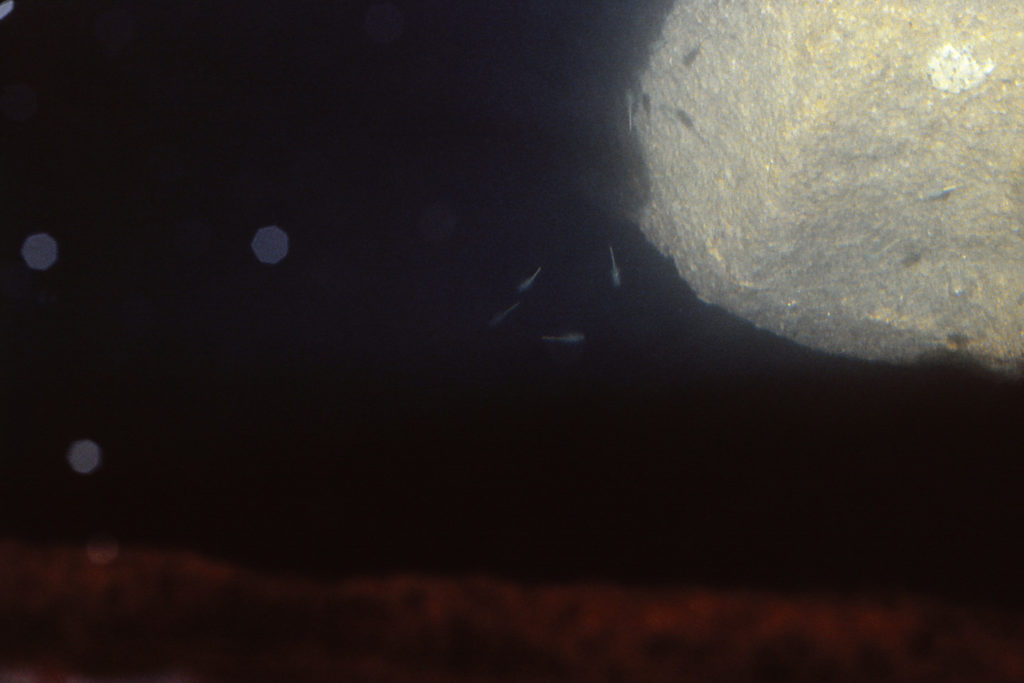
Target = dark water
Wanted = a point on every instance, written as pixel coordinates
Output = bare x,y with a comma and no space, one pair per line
349,409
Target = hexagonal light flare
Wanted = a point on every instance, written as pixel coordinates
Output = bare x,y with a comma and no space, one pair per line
39,251
270,244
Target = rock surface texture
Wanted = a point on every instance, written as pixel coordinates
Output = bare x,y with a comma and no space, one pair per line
845,173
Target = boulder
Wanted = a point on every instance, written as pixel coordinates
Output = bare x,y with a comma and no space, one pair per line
845,173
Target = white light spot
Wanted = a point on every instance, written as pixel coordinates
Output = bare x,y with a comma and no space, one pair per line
270,244
954,70
18,102
6,7
39,251
383,22
101,549
84,456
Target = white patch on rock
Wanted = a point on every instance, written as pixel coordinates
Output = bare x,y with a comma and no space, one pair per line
954,69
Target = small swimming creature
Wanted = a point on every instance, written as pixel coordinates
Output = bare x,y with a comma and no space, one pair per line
943,193
691,56
616,277
567,338
528,282
501,315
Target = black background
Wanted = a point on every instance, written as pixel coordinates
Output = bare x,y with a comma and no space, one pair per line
349,410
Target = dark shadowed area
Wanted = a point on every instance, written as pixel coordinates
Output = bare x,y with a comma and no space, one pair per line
341,396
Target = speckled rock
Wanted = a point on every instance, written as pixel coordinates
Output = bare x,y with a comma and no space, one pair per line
845,174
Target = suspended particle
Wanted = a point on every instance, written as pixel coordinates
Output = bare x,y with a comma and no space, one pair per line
270,244
39,251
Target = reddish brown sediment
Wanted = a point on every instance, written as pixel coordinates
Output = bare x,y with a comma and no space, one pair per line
153,611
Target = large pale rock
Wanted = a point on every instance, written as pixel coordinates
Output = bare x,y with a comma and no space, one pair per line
846,173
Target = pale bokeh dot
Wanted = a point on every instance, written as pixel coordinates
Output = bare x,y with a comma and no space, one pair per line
6,7
39,251
270,244
84,456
